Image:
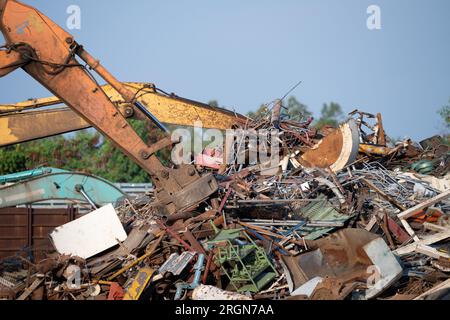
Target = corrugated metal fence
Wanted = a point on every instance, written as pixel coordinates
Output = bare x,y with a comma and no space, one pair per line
25,231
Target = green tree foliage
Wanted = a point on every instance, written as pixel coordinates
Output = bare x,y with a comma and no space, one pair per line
444,112
12,159
261,112
87,151
213,103
331,115
112,164
296,110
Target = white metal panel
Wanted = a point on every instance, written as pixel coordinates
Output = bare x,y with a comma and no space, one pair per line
90,234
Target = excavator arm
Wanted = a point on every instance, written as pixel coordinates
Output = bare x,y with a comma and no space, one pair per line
10,61
50,55
17,119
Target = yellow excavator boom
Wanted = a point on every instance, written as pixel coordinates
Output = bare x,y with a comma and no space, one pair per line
16,120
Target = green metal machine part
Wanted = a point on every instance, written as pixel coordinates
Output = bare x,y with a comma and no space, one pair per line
244,263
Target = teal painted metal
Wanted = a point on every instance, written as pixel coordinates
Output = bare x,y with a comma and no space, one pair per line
24,175
60,185
423,166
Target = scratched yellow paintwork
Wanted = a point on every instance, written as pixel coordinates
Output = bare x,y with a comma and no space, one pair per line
178,112
29,104
139,284
6,136
169,110
31,125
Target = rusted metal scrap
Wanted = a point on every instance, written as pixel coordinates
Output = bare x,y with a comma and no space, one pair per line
331,223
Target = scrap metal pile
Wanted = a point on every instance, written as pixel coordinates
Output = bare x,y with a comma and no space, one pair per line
344,223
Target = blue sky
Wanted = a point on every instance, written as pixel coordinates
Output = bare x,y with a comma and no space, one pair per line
244,53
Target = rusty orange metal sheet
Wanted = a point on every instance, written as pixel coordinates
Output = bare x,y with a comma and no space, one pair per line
336,150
